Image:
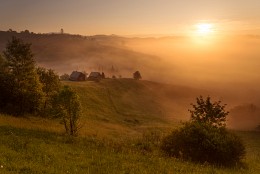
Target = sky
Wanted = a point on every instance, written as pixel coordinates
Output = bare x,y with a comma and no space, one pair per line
130,17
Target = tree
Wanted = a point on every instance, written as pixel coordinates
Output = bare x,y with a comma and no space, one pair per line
25,89
202,142
68,108
50,85
5,87
65,77
3,66
205,138
137,75
212,113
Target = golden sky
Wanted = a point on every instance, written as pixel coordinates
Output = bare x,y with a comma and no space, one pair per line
130,17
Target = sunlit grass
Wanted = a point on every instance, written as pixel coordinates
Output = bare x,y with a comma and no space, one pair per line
108,142
37,151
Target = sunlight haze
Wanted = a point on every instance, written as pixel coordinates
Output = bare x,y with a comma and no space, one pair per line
129,17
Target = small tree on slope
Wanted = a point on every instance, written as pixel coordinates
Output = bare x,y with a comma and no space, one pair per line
68,108
205,138
208,112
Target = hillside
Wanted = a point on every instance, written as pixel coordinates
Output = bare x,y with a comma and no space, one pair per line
132,105
65,53
114,107
122,124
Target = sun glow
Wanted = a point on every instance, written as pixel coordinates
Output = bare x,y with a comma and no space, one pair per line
205,34
204,29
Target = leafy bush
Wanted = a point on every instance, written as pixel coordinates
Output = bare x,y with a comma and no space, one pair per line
201,142
208,112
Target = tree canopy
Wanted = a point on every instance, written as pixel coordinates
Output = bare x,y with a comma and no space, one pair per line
21,83
137,75
67,107
212,113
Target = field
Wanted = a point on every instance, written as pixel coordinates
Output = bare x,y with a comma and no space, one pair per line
122,124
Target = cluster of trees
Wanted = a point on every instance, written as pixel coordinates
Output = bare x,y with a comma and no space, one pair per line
205,137
28,89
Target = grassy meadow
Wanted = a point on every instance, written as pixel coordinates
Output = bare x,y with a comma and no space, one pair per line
122,124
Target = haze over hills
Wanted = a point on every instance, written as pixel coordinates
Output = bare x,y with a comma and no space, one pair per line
226,69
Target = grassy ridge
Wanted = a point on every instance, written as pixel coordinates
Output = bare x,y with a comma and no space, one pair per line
113,107
122,124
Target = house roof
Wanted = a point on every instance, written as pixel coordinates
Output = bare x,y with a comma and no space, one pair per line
75,75
94,74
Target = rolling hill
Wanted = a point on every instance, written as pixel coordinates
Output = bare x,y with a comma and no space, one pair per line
122,124
133,104
65,53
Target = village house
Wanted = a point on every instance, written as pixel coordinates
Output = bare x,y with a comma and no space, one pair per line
77,76
95,76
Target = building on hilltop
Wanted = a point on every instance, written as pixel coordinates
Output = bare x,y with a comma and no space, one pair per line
77,76
95,76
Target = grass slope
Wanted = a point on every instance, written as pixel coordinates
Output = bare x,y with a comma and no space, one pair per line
122,125
128,106
36,151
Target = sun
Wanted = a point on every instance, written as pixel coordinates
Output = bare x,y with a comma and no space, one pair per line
204,29
205,33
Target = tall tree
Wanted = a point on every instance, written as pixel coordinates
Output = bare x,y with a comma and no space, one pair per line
50,85
26,94
3,66
4,87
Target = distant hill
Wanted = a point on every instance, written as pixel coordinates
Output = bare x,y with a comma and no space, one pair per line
65,53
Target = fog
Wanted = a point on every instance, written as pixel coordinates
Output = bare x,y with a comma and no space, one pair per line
227,68
224,67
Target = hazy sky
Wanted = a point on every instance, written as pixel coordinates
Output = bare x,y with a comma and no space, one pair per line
129,17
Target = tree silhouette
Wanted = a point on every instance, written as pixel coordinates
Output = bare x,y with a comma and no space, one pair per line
210,113
25,89
137,75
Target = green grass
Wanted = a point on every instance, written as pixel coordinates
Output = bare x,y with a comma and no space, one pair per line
121,106
113,139
37,151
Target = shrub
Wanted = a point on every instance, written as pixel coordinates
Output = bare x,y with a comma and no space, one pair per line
208,112
202,142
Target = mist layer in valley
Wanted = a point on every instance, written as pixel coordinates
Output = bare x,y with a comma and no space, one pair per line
226,68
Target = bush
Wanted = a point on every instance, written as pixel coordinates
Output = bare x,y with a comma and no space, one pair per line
208,112
204,143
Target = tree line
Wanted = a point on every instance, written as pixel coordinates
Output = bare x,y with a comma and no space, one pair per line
26,89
